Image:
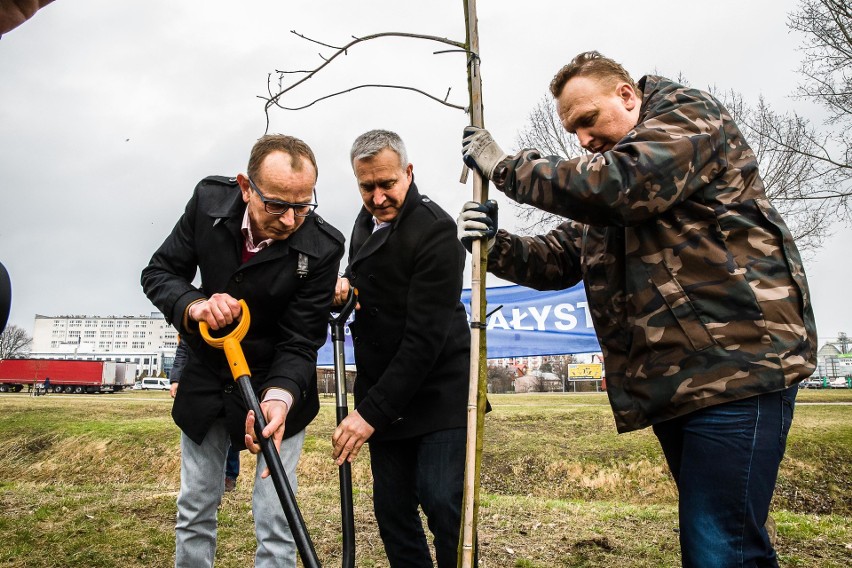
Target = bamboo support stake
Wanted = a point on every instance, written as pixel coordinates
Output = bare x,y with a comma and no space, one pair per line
478,361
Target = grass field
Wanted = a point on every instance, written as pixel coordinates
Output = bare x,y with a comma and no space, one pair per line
90,481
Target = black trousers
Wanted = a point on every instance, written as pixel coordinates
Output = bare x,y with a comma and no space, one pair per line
426,472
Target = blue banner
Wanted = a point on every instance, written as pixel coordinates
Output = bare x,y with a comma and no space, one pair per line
527,323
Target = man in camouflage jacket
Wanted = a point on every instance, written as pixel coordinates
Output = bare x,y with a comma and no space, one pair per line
695,286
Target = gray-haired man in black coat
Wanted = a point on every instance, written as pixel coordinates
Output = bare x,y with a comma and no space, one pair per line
412,345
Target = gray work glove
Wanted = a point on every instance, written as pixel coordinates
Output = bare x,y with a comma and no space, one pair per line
480,151
477,221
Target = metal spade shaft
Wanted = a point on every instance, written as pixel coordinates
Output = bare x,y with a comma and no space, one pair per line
239,369
347,516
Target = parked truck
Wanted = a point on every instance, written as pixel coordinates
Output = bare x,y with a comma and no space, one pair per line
125,376
64,376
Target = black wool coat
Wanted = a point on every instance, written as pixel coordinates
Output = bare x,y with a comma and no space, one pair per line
288,301
411,335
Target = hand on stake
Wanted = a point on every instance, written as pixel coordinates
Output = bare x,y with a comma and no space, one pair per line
480,151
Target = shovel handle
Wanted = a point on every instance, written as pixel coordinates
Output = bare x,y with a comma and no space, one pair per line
230,343
338,320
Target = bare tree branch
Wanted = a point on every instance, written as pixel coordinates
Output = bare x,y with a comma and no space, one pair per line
501,379
303,36
274,98
827,61
377,85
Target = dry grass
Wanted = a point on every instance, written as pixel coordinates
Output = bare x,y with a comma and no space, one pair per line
91,482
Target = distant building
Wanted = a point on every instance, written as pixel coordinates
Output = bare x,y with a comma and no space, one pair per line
539,382
148,341
531,362
831,362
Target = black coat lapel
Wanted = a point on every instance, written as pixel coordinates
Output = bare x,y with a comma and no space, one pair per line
370,242
365,243
228,215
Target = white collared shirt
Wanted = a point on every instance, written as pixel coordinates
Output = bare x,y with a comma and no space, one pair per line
272,393
246,228
380,224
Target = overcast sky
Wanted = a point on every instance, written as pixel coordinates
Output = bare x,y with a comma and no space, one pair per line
110,113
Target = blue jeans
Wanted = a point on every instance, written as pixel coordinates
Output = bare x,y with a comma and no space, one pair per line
232,463
426,471
725,460
201,487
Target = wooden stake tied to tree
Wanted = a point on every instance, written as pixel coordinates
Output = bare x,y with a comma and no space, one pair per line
478,363
478,357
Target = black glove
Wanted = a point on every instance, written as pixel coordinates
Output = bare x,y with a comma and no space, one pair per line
477,221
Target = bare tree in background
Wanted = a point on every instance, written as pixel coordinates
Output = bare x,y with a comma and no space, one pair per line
827,67
14,343
501,379
538,383
544,132
843,342
562,369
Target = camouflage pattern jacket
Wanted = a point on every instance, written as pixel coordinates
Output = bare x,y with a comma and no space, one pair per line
695,286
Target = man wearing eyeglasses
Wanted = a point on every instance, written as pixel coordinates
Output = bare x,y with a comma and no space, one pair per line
256,238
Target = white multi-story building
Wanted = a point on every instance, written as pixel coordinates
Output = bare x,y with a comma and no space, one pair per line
531,362
148,341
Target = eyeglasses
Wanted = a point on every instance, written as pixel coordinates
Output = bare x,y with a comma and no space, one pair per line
278,208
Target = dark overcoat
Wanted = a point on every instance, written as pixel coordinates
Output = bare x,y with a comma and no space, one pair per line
411,336
287,286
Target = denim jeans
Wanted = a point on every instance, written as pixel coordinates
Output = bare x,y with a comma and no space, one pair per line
232,463
201,487
725,460
427,471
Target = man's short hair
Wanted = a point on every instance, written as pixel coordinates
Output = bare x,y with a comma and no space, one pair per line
371,143
590,64
295,148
